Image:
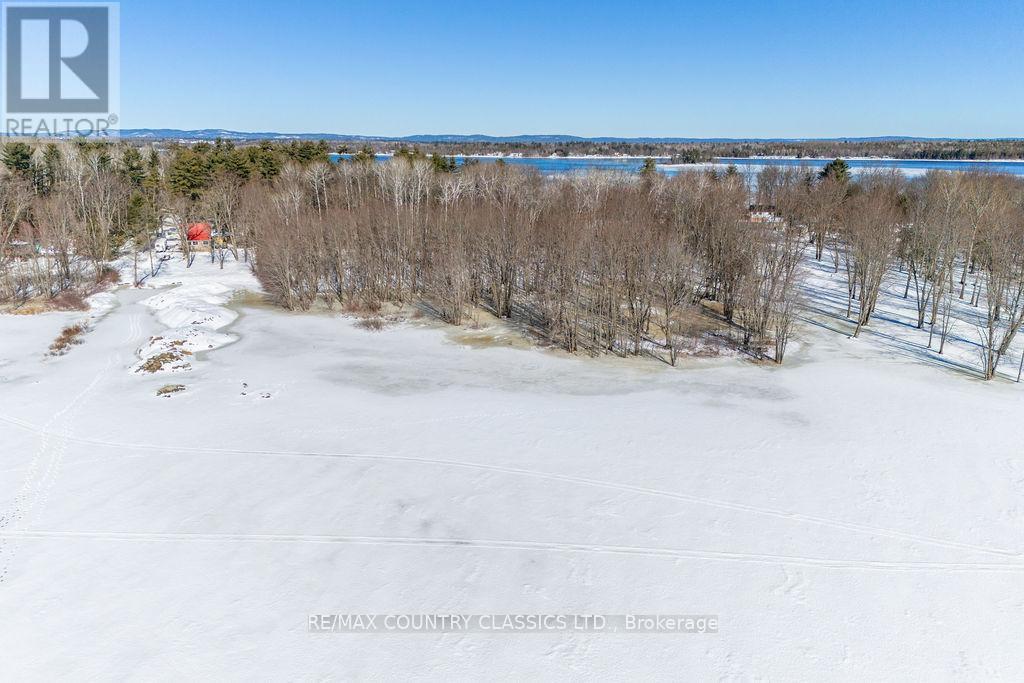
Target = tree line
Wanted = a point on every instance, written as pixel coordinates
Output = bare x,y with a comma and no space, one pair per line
595,263
702,151
612,263
68,207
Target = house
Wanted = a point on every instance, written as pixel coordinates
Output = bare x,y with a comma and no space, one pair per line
763,213
20,249
199,236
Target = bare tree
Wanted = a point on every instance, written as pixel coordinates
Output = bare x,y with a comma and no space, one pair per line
1000,252
872,223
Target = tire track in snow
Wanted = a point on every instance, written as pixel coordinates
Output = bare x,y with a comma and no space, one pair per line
571,479
497,544
134,329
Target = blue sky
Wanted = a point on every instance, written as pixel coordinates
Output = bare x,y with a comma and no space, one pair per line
585,67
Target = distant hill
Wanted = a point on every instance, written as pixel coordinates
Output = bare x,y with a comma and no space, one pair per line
214,133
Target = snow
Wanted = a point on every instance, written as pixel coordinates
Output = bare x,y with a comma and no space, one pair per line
854,514
194,307
878,158
753,170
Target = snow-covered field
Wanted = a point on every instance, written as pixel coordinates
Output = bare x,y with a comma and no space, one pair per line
856,514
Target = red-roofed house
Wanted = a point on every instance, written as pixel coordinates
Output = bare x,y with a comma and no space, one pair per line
199,236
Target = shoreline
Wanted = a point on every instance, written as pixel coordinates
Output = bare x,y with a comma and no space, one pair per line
579,157
863,163
897,159
724,160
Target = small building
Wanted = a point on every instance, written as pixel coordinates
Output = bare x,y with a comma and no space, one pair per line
763,213
20,249
199,237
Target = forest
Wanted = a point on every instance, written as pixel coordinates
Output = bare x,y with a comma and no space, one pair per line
591,263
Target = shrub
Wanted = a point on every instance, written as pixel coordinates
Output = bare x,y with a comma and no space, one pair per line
69,301
374,324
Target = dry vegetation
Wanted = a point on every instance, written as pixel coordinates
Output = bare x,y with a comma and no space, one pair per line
374,324
171,359
595,263
169,389
607,263
68,337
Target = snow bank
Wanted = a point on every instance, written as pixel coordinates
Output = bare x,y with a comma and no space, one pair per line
193,307
101,303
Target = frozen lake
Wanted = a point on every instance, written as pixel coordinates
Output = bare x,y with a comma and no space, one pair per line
750,166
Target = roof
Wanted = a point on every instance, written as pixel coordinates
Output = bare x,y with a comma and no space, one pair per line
198,232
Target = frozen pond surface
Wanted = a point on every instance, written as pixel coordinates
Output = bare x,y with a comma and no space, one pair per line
854,515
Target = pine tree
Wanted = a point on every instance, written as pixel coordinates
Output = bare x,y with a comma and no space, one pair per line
132,168
17,157
189,173
364,155
837,169
443,164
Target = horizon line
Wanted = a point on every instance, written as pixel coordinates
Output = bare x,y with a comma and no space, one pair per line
574,136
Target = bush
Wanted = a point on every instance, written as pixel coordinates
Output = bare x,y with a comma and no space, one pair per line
107,276
371,324
69,301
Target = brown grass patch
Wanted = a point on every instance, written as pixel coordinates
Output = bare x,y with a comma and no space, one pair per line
359,307
69,301
65,301
28,308
68,337
168,389
166,360
716,307
107,276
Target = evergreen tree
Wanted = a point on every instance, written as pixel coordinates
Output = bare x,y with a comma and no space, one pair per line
189,173
236,164
264,160
837,169
17,157
52,159
132,168
443,164
364,155
152,181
